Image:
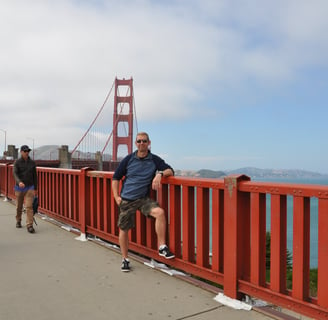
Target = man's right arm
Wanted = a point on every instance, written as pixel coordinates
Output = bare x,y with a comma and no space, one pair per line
119,173
115,189
15,173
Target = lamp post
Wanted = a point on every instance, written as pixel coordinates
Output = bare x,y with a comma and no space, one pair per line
32,146
53,151
5,132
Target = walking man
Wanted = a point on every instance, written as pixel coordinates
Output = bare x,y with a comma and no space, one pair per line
141,170
25,188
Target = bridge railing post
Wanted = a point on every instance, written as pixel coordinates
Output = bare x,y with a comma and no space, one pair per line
3,181
236,234
83,202
6,182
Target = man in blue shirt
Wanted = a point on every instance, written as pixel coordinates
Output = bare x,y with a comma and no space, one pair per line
140,170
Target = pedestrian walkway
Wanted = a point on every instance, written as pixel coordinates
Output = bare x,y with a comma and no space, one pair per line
50,275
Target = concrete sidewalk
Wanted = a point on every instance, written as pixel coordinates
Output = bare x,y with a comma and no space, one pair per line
50,275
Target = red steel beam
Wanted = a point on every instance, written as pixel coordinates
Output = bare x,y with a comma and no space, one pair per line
217,230
202,216
323,253
258,238
175,220
278,243
301,248
188,225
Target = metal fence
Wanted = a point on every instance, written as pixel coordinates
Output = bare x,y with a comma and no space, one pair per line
216,227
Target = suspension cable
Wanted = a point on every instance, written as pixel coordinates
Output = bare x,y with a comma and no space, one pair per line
94,120
135,112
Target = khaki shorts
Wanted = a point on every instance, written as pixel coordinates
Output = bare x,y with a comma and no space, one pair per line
126,218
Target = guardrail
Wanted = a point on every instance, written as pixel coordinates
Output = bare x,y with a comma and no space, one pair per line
217,229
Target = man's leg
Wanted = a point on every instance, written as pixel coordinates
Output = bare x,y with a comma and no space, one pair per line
160,228
19,206
124,243
126,221
160,225
29,207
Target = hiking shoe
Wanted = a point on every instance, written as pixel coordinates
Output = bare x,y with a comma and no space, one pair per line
30,229
18,224
125,265
166,253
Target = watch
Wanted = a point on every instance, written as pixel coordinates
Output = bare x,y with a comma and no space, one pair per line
160,172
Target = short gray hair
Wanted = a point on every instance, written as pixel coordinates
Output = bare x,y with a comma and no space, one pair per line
143,134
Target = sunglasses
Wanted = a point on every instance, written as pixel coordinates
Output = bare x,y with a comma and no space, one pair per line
26,151
142,140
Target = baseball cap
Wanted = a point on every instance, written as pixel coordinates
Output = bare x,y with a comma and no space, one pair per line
25,148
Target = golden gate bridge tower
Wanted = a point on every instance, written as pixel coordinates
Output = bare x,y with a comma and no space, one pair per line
98,139
120,118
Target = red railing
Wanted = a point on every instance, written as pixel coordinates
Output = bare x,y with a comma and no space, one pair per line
59,194
217,229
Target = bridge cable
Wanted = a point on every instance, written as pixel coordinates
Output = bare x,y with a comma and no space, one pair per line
135,112
94,120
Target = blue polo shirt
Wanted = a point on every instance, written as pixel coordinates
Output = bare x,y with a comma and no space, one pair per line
138,174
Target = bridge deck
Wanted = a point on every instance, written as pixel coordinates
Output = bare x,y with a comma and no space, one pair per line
50,275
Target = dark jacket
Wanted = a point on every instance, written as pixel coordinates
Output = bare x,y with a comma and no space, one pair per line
25,171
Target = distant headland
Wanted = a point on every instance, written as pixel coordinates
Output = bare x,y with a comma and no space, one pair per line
254,173
47,152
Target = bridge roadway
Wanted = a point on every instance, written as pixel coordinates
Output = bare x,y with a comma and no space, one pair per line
50,275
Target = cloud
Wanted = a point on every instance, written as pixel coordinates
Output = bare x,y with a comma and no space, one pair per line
187,58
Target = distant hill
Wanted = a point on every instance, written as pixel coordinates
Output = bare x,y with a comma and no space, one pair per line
203,173
50,152
278,173
47,152
255,173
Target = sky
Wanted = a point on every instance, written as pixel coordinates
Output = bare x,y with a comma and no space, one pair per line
218,84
